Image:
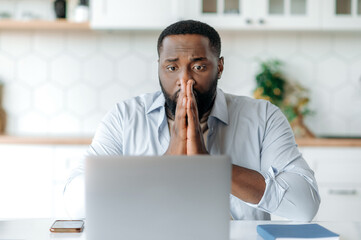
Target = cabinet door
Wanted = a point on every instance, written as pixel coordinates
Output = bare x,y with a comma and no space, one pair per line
128,14
221,14
26,181
257,14
340,203
289,14
337,171
341,14
32,179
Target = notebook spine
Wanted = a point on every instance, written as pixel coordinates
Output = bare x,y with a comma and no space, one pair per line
265,235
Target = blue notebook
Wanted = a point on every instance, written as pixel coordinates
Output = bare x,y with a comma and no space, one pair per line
295,231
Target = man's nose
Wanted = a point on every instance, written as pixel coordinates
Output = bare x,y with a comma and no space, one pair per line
184,76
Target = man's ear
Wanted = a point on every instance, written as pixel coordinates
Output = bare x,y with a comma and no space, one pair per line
220,67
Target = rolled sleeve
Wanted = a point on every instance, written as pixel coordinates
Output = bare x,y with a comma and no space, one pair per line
291,188
274,192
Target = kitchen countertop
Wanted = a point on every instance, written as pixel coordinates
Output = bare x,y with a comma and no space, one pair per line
38,229
86,140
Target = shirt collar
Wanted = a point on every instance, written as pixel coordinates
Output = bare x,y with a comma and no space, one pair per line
220,110
157,103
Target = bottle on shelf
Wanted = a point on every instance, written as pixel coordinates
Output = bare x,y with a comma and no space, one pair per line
82,11
60,8
70,9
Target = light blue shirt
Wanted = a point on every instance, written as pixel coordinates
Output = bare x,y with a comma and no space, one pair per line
254,133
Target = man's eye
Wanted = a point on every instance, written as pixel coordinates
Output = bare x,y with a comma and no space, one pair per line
200,67
171,69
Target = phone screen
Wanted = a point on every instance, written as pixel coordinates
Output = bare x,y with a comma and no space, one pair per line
67,226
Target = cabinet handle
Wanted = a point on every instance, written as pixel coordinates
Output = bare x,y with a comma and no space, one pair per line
249,21
342,192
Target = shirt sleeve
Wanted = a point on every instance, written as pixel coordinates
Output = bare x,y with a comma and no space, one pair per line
108,137
291,188
107,141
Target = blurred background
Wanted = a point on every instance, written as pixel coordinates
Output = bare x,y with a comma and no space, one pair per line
64,64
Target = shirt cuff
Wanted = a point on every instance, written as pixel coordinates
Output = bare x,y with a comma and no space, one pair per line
274,192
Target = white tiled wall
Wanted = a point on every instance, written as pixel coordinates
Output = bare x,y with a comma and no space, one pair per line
62,83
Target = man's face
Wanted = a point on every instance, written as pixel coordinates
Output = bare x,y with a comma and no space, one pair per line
185,57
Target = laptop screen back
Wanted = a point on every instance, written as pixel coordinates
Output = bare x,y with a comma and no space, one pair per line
172,197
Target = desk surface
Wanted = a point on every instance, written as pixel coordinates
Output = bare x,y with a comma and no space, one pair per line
38,229
44,140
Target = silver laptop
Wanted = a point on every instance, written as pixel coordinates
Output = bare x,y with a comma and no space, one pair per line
157,198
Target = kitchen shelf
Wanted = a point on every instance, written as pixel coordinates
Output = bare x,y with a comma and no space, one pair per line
6,139
42,25
302,142
329,142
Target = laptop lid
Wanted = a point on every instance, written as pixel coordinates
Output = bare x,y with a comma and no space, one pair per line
157,197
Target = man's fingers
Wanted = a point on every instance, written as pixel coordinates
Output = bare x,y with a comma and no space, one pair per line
191,100
195,143
182,98
192,112
178,138
189,89
180,118
182,93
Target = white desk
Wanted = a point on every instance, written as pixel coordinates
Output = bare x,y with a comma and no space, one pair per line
38,229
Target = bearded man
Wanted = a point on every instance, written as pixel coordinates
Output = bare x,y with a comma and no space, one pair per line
192,116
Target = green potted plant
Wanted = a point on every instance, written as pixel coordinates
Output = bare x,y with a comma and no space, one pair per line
290,97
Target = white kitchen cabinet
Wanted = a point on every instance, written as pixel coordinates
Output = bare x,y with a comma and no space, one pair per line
256,14
289,14
25,181
32,179
341,15
129,14
221,14
228,14
337,171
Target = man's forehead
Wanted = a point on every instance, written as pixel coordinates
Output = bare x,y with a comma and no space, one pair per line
185,43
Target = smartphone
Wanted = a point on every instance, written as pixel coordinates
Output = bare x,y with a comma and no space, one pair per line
67,226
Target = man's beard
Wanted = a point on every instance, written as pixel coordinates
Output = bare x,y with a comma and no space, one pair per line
204,100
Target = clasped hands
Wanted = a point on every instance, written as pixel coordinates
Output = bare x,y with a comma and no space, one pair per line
186,137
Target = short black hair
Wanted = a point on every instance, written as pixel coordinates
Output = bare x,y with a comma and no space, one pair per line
192,27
